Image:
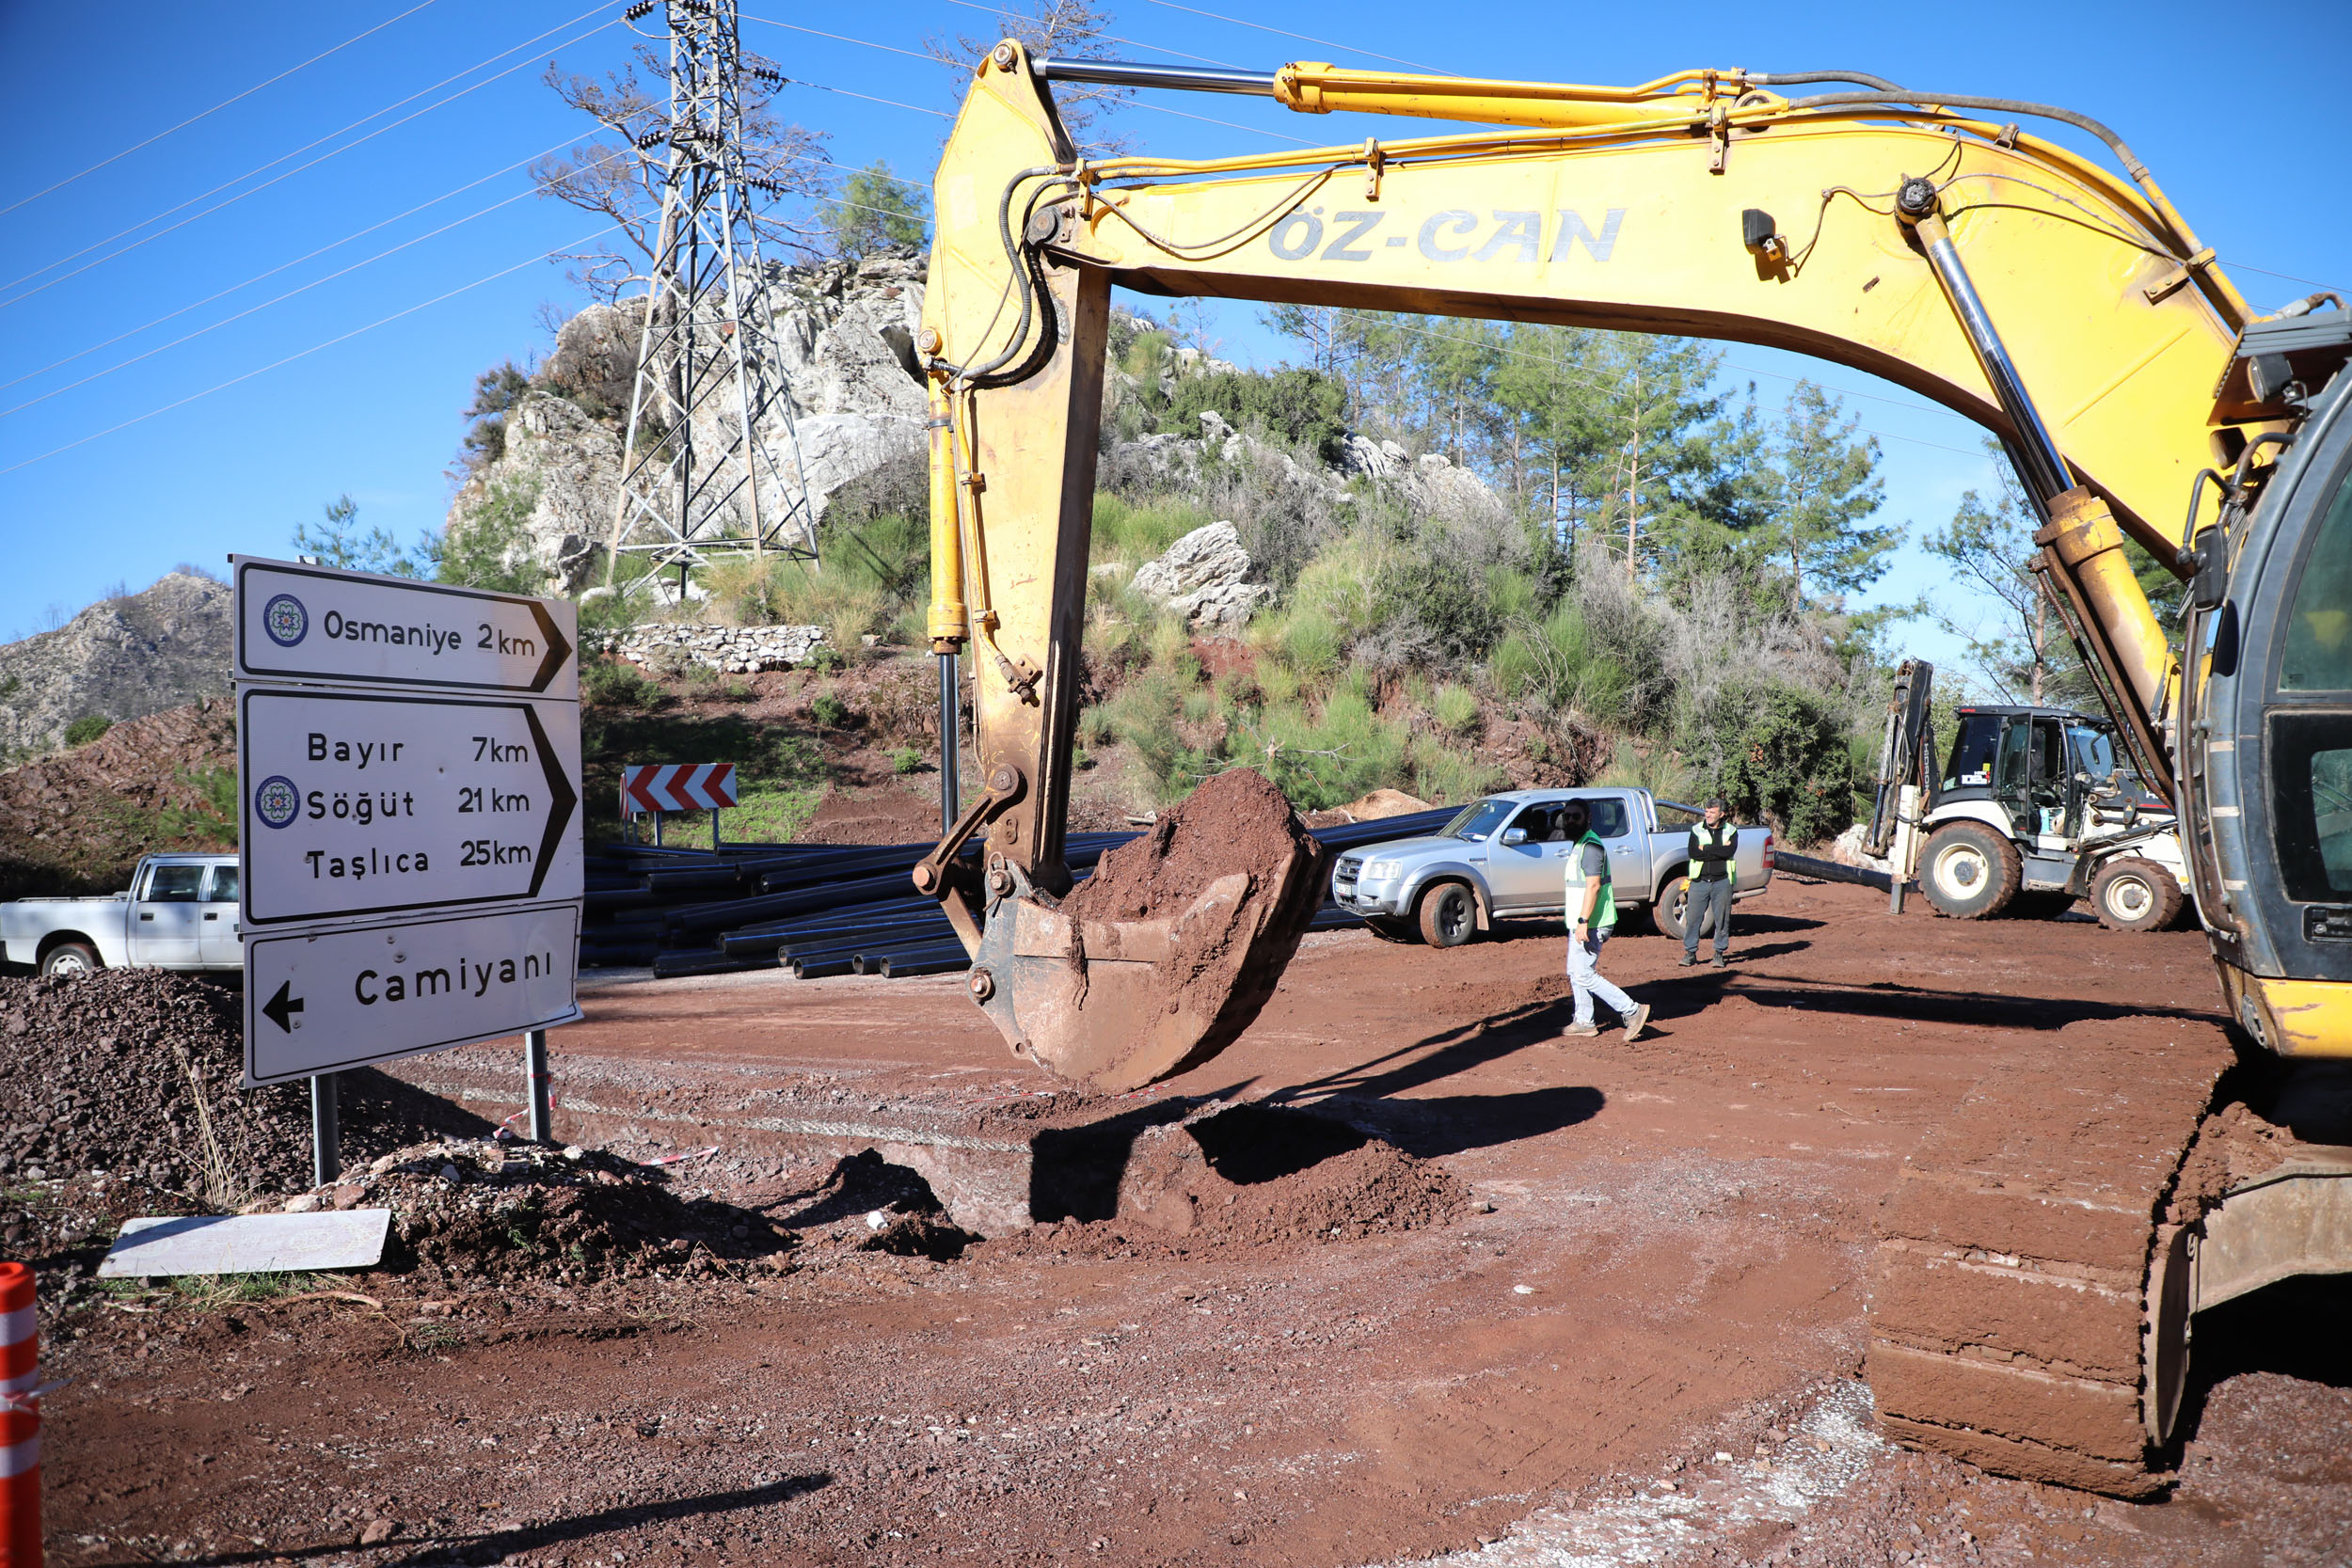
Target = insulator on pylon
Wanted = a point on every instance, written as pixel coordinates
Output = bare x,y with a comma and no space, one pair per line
639,11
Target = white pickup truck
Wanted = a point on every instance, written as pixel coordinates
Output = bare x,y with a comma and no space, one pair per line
181,912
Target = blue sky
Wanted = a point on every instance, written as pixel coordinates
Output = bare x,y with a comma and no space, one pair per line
416,133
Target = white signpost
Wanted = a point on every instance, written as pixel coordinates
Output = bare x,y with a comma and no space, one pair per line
409,823
337,998
368,803
303,625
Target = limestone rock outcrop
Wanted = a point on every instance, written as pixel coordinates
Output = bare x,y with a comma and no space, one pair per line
1203,577
120,658
845,336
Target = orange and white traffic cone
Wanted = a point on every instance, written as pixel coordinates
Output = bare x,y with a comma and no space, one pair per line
19,1420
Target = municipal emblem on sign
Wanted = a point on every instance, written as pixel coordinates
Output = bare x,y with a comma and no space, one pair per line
285,620
277,802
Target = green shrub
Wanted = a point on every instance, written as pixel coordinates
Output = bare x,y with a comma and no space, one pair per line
1138,530
829,711
1514,668
1455,707
1445,775
86,729
617,683
826,660
493,550
1309,640
905,760
1306,408
1793,763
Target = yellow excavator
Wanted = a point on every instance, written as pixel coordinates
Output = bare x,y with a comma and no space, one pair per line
2041,1258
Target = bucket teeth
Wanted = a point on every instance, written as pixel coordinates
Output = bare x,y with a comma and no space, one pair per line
1116,1004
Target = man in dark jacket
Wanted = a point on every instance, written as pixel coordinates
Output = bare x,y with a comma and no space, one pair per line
1713,873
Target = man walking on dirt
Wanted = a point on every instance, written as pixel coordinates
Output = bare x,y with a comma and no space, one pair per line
1592,906
1713,873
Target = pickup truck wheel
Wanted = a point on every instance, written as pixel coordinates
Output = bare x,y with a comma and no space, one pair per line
2135,894
1448,915
1666,914
1970,872
71,957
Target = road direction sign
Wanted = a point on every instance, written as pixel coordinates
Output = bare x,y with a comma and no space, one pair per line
313,623
324,1000
691,786
369,804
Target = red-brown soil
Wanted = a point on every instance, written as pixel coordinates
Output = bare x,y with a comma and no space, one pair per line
77,820
1638,1341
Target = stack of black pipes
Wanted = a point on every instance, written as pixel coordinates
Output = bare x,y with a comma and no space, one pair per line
822,909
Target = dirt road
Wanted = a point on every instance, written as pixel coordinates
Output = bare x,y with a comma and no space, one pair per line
1638,1339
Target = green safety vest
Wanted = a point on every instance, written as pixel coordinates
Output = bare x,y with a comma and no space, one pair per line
1605,906
1722,832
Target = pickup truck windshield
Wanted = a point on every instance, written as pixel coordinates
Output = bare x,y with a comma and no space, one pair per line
1478,820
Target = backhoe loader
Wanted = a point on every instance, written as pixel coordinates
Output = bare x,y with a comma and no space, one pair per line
2041,1257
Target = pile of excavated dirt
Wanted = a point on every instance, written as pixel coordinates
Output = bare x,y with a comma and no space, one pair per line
1236,822
77,821
1258,1175
134,1072
479,1211
1237,835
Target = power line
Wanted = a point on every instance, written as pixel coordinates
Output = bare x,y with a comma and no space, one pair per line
893,49
213,110
303,354
1596,381
223,294
304,289
2243,266
296,153
1303,38
1108,38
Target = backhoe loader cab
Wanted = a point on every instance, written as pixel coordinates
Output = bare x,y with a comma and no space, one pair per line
2038,802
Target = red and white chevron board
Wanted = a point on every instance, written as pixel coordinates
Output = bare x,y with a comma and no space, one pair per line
677,787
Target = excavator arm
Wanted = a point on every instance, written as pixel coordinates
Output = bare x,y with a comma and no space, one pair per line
2033,1282
1920,241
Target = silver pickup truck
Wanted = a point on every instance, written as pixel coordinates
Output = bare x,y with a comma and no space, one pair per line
1504,856
181,912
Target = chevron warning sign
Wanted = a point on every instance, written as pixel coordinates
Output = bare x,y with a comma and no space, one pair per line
677,787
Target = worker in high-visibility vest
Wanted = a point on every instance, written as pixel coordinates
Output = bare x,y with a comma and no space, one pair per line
1715,872
1592,908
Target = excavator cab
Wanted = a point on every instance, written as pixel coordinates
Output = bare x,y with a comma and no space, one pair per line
2266,755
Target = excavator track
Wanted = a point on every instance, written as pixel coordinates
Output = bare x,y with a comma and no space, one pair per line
2012,1318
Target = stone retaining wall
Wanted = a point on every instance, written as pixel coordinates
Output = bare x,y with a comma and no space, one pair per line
729,650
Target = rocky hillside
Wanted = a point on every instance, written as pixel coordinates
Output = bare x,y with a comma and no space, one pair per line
120,658
857,401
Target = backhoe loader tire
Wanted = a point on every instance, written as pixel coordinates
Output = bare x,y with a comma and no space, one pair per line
1970,872
2135,894
1448,914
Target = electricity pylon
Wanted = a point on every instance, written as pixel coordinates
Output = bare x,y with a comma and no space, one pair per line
696,476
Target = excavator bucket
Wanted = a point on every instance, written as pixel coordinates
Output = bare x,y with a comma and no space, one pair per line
1164,958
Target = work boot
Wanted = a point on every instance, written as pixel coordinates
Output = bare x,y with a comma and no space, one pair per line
1636,1020
1687,961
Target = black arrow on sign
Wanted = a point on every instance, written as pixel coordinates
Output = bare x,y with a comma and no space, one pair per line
280,1009
558,649
562,799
